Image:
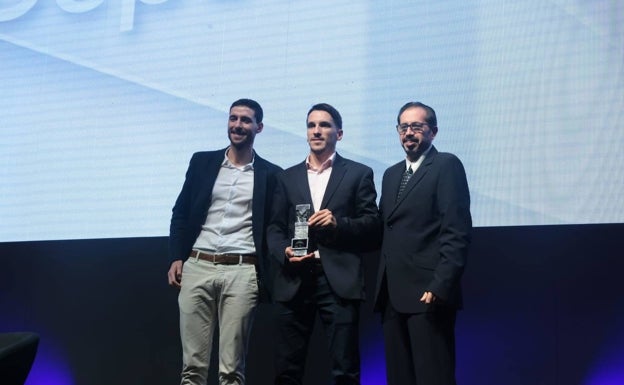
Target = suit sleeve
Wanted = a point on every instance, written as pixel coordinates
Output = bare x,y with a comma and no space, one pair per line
278,236
362,229
455,228
179,227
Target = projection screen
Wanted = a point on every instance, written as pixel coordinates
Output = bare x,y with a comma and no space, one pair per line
103,102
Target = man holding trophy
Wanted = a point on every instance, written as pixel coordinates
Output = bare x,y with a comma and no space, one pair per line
324,216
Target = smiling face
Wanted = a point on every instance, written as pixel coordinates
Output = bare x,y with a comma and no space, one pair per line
322,133
242,127
414,132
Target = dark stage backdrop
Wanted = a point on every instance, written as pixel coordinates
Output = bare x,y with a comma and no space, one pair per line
544,306
102,102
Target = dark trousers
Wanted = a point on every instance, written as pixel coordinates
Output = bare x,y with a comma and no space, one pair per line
420,348
295,321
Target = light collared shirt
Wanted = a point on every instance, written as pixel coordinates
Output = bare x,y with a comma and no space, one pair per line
228,225
318,180
415,165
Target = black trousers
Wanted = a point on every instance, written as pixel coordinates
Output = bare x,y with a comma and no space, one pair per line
420,347
295,322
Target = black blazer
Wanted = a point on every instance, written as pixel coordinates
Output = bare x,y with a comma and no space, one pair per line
350,196
426,234
191,207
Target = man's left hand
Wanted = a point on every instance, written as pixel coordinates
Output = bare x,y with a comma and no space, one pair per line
323,218
428,297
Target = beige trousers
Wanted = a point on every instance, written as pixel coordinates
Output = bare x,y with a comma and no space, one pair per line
215,295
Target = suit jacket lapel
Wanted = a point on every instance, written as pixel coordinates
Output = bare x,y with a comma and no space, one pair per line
415,179
394,177
339,169
259,193
302,185
212,170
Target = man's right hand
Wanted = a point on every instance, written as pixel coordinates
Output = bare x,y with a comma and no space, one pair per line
290,254
175,274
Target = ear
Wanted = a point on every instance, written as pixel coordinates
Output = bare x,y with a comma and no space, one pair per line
339,134
260,127
434,131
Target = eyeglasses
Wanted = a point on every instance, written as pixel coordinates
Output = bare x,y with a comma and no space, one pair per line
417,127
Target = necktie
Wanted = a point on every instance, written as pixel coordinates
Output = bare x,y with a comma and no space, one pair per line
404,179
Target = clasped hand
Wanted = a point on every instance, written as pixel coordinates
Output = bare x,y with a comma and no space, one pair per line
323,219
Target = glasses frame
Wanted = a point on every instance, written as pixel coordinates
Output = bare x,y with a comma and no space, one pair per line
416,127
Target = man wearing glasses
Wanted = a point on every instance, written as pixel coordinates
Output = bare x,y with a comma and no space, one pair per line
425,209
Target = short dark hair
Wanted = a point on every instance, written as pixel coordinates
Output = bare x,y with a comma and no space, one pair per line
330,110
430,117
255,106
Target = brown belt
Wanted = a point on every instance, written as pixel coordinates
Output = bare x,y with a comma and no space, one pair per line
225,259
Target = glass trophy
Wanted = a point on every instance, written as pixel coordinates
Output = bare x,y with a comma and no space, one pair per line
299,243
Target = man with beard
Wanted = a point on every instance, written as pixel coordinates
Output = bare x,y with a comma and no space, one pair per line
218,249
325,275
425,209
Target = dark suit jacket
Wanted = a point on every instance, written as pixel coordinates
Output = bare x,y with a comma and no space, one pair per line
425,234
191,207
350,196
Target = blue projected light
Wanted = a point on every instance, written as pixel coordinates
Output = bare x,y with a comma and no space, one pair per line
609,369
373,365
51,366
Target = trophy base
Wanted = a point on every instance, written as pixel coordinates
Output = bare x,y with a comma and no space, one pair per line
299,246
300,252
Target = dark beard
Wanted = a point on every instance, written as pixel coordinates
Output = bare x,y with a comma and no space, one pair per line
246,142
